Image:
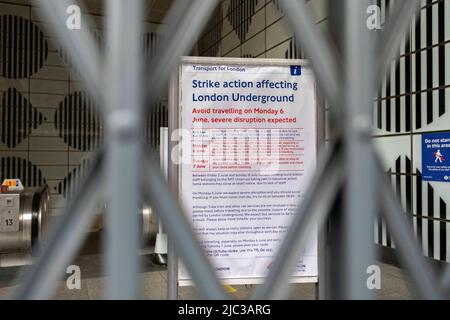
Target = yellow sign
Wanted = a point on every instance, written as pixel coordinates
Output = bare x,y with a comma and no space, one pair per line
13,184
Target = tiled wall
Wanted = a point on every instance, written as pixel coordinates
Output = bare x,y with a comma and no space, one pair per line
415,100
252,28
50,138
49,127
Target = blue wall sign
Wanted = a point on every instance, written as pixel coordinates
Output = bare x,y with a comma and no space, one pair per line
296,70
436,157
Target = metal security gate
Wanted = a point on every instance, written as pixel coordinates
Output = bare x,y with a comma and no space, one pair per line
122,85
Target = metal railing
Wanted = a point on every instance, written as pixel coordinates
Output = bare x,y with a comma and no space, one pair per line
122,85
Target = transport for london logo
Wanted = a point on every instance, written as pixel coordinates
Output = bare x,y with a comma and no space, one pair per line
296,70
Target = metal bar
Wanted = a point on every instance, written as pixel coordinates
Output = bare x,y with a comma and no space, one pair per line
322,261
79,45
321,230
324,59
361,205
311,214
408,248
172,258
390,38
332,237
184,22
183,26
182,29
172,271
125,127
183,238
445,283
335,247
64,237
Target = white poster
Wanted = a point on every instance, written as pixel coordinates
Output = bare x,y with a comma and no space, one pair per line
249,150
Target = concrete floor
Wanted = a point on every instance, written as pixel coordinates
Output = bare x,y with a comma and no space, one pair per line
394,284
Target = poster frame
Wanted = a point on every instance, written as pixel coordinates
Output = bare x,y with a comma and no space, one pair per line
175,121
